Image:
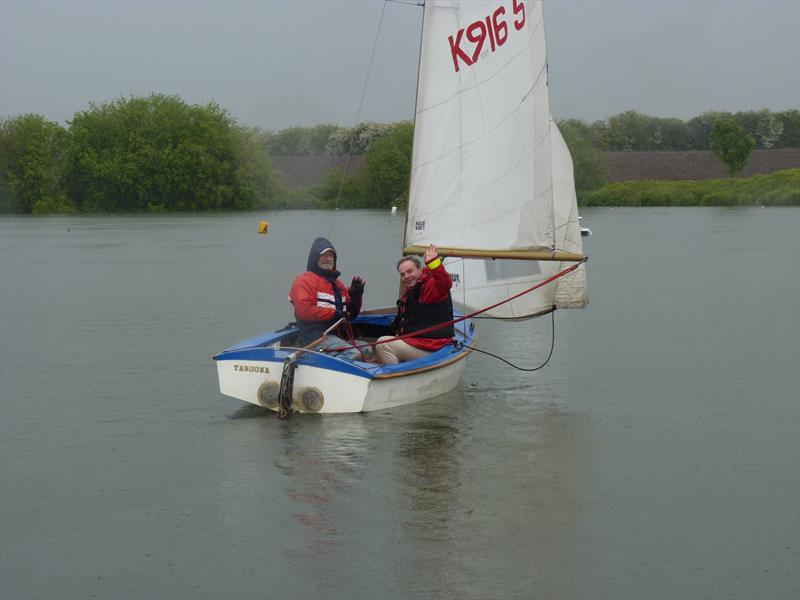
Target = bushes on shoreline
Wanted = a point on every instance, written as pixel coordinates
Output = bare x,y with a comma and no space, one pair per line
134,155
32,156
158,154
776,189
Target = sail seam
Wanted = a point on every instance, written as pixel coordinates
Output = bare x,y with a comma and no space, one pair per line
523,103
492,182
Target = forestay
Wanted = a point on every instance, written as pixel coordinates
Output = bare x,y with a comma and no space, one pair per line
490,170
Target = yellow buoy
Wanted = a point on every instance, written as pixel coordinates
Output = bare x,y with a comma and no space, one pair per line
263,227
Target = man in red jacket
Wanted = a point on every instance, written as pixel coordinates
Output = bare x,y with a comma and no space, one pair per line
320,298
424,302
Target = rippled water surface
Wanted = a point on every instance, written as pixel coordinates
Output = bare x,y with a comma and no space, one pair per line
656,456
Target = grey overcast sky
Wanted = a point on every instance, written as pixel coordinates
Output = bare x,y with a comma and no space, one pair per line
274,64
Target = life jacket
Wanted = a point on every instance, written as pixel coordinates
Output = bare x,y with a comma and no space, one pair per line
413,315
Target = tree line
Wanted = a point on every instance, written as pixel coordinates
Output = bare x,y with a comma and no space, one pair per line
732,136
627,131
634,131
159,153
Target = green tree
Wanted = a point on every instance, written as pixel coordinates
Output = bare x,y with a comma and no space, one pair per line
765,126
599,134
768,130
315,139
5,194
748,120
255,176
300,141
358,139
628,131
699,129
731,144
325,139
383,179
32,165
337,190
588,164
666,134
159,153
791,129
387,168
284,142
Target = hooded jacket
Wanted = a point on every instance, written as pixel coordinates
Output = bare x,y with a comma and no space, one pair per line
319,297
427,304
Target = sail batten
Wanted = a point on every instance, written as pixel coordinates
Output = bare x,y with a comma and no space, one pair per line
485,186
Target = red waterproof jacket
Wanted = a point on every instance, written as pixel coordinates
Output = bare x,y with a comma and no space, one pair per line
317,303
313,297
425,304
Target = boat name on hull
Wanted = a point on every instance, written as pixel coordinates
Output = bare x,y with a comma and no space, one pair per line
250,369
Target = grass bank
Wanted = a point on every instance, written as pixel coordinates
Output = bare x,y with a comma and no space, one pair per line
781,188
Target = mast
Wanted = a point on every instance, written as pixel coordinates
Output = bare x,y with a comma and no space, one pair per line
414,119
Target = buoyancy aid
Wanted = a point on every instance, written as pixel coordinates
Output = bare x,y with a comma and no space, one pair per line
414,315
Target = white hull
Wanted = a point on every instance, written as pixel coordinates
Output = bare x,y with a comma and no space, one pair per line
252,371
342,392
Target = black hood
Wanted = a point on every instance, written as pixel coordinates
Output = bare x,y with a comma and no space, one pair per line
317,247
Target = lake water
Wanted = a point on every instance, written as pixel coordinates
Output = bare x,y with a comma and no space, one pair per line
655,456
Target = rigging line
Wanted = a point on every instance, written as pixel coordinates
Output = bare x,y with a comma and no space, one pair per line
527,370
358,114
551,123
463,284
464,288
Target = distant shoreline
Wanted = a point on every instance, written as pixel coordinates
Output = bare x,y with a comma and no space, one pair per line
781,188
306,171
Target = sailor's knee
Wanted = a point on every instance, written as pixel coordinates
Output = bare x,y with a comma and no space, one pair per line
384,351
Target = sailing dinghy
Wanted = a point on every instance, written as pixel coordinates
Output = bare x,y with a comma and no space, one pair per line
491,185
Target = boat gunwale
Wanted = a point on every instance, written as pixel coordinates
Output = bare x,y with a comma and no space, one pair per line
366,370
462,354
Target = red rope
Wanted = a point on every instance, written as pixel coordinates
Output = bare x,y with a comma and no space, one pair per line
350,337
477,312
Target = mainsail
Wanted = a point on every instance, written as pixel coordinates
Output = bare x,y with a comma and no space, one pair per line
490,169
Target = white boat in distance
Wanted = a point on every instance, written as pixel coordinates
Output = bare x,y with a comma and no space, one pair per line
491,185
585,231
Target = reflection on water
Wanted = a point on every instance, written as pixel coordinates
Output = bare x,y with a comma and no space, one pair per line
364,505
429,475
250,411
435,488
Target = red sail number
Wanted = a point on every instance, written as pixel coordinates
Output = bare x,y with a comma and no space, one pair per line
493,29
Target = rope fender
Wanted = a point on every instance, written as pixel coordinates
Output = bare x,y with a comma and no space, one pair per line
287,385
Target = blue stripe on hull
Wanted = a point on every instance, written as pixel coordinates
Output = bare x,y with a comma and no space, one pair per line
262,348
